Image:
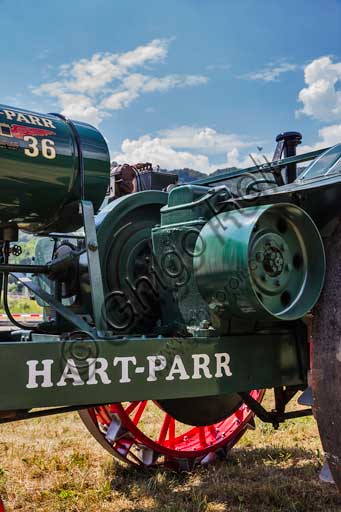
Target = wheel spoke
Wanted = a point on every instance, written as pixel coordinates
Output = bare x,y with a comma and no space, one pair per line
139,411
202,436
171,435
164,429
213,430
131,407
103,415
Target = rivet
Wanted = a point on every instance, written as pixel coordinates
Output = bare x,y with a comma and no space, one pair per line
92,246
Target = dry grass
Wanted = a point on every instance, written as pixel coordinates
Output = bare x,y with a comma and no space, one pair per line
53,465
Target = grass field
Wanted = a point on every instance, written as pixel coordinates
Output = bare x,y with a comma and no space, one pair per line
53,465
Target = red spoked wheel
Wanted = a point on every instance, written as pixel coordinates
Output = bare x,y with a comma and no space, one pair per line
142,434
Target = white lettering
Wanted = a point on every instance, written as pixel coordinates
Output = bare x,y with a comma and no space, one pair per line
178,368
32,148
223,361
201,362
40,372
70,372
47,122
125,367
35,120
154,367
45,373
47,149
22,118
9,114
101,371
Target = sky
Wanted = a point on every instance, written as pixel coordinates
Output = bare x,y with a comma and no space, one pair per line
180,83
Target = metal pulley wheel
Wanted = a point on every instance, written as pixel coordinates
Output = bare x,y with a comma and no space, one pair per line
263,262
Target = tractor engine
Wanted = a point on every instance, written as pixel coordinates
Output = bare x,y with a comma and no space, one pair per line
176,303
195,265
228,269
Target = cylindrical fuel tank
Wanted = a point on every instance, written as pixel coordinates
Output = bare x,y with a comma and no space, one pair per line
47,164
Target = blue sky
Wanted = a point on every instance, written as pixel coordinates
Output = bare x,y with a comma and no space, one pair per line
180,83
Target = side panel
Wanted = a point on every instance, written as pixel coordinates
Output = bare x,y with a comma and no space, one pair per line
52,373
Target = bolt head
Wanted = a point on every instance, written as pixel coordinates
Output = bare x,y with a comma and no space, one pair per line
92,246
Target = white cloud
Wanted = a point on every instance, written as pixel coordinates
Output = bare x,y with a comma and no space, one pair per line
328,136
186,146
78,106
205,138
136,84
159,152
170,81
271,72
331,135
320,98
155,51
235,159
88,88
90,75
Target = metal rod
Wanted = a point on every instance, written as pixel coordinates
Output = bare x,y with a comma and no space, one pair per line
297,414
277,164
29,269
45,412
95,274
255,407
67,235
42,269
273,417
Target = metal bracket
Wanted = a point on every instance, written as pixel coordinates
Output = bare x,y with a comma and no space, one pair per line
274,417
95,274
62,310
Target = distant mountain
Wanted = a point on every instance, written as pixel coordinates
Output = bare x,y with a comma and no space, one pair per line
223,171
187,175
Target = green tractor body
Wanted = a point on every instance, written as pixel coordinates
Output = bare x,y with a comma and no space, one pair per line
190,299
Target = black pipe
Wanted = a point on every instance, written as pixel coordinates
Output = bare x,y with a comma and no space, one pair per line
287,142
25,269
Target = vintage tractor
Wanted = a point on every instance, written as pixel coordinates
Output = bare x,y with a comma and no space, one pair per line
170,308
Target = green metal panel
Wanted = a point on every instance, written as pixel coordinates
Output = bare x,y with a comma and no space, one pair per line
39,170
124,232
259,361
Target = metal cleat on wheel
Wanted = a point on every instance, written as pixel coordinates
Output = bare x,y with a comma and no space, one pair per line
306,398
326,475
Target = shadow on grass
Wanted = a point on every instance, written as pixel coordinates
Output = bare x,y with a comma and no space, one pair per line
252,480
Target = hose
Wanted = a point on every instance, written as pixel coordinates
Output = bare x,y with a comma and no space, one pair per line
5,295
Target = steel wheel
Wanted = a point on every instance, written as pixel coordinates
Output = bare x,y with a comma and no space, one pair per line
326,360
142,434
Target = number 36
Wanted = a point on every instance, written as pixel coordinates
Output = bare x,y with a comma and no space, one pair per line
47,147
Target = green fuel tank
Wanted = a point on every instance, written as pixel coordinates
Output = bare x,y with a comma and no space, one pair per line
47,164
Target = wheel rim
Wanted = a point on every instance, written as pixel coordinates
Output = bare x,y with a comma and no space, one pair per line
124,430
